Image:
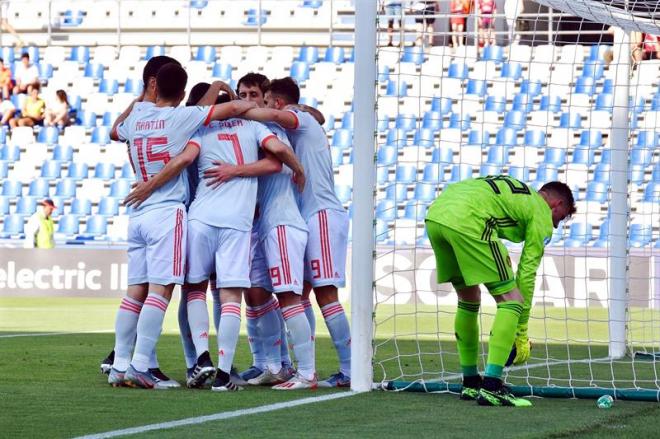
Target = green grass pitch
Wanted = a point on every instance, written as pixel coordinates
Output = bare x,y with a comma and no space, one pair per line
50,387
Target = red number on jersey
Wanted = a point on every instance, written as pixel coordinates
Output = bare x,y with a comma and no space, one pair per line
275,277
151,156
316,268
233,138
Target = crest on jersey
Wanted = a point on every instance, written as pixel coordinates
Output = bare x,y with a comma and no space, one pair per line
546,240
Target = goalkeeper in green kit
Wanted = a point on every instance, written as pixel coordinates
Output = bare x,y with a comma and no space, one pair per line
464,225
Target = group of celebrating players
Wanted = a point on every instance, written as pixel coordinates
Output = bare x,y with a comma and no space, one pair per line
234,192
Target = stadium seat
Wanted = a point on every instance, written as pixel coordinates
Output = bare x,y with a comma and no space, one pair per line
342,138
413,54
348,121
593,69
605,102
425,191
460,172
442,154
63,153
519,173
597,191
579,235
493,53
586,85
382,231
498,155
68,225
554,156
386,210
108,206
511,70
647,139
334,54
640,234
7,54
45,71
652,192
12,225
105,171
396,88
12,188
253,18
489,169
97,225
546,172
523,102
71,18
4,205
636,174
476,87
299,71
386,155
415,210
550,103
478,137
507,136
94,71
459,71
120,188
206,54
337,155
48,135
424,137
4,169
397,137
133,86
81,206
66,187
222,71
591,138
109,86
27,205
570,120
154,51
641,156
406,173
458,121
343,192
51,169
309,55
602,172
531,87
535,138
101,135
495,103
396,192
127,171
78,171
406,122
442,105
87,119
433,173
10,153
583,156
515,119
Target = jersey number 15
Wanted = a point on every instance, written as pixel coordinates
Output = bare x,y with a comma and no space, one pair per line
146,149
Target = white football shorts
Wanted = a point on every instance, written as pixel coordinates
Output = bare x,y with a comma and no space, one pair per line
325,255
156,246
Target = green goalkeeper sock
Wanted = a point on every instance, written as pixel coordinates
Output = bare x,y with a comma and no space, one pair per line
466,328
502,336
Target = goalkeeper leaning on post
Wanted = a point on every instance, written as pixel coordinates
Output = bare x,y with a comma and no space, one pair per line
465,224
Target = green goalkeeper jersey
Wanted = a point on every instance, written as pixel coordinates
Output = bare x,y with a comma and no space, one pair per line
499,206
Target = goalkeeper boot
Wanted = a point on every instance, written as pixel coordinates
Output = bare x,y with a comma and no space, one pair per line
106,363
162,380
223,383
494,393
336,380
471,386
135,378
116,378
296,383
251,372
201,372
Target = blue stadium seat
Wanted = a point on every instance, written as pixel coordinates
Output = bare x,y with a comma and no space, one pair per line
647,139
493,53
11,153
13,225
550,103
425,192
596,52
154,51
637,103
81,206
109,118
608,86
597,191
396,88
489,169
309,55
498,155
387,155
397,192
652,192
523,102
94,70
414,54
337,155
432,120
460,172
127,171
511,70
63,153
45,71
583,156
535,138
68,225
441,104
133,86
253,18
4,169
101,135
554,156
462,122
12,188
71,18
108,206
105,171
641,156
434,173
570,120
75,102
206,54
97,225
66,187
386,210
87,119
348,121
636,174
406,122
593,69
334,54
109,86
655,102
442,154
591,138
309,100
424,137
655,175
382,231
415,210
4,205
396,136
78,171
496,103
603,235
579,235
586,85
3,135
51,169
406,173
7,54
199,4
602,172
640,234
478,137
120,188
27,205
299,71
477,87
48,135
383,124
546,172
343,192
605,102
342,138
519,173
329,124
457,70
507,136
383,73
531,87
515,119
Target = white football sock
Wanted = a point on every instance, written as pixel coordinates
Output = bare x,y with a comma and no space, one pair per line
301,338
198,320
337,323
184,330
149,327
309,313
230,325
125,329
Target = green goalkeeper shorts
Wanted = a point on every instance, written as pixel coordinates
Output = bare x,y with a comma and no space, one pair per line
466,261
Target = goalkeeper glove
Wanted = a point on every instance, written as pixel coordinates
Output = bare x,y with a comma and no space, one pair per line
522,345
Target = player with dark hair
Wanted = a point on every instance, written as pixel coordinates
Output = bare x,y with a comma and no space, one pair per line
327,221
465,224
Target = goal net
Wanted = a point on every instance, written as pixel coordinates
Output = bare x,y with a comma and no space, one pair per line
538,90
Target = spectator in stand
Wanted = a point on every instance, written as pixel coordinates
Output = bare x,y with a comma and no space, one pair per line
459,11
6,83
486,22
39,229
651,47
7,111
393,8
33,109
26,74
57,112
425,12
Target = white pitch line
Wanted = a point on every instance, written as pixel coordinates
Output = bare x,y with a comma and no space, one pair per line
218,416
44,334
